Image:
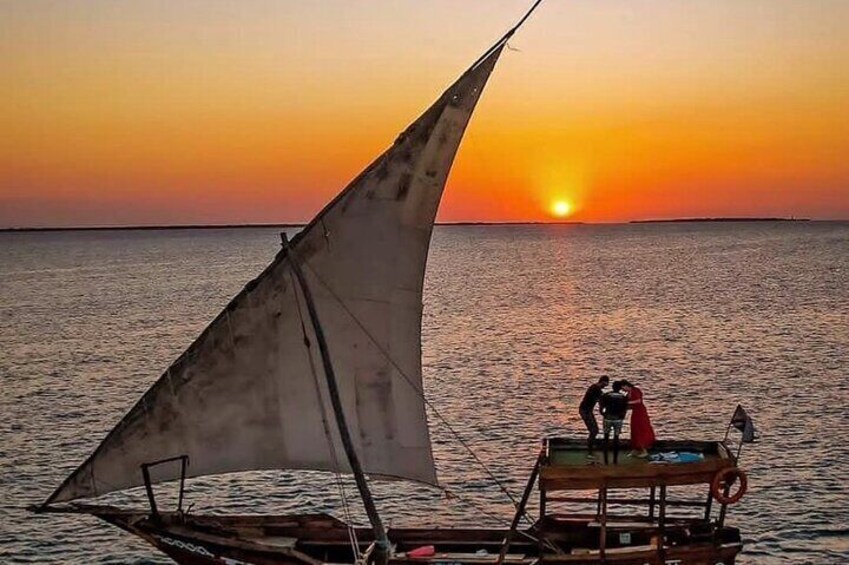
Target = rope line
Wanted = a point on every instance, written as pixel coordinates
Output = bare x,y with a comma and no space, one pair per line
450,494
548,543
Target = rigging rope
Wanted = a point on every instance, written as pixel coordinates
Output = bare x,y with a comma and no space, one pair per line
420,392
450,494
548,543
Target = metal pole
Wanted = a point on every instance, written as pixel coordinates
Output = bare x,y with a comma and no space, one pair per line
727,431
381,540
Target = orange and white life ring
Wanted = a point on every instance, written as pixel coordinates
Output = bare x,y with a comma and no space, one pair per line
723,480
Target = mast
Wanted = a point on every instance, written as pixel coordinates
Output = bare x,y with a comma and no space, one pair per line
382,541
506,37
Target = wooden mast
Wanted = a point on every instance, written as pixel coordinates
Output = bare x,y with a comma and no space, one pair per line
381,539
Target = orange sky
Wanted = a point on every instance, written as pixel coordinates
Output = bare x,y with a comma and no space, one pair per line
158,112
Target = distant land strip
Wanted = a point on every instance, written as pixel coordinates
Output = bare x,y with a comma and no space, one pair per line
290,225
153,228
679,220
255,226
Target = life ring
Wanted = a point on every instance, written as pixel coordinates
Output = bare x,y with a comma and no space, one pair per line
725,478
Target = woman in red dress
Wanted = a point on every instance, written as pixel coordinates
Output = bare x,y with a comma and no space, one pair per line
642,434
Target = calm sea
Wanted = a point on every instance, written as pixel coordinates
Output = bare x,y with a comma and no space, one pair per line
518,321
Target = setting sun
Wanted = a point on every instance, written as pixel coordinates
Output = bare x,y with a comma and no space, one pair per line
561,208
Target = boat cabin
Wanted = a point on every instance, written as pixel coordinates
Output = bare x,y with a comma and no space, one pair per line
645,508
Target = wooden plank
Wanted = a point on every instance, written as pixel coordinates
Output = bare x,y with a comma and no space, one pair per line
274,541
602,544
632,475
628,501
615,550
566,483
463,558
648,554
624,525
553,445
635,469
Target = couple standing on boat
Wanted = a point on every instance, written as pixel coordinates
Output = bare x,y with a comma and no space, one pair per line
613,406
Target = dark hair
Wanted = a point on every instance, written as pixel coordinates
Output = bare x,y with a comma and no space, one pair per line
626,383
617,386
604,379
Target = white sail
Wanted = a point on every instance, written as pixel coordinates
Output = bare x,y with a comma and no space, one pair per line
248,394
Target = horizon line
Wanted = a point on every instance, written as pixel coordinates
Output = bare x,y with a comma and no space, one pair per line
154,227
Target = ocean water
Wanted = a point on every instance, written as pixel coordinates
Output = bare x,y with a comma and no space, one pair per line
518,321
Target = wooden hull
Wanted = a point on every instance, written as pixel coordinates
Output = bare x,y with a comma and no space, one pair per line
687,556
321,539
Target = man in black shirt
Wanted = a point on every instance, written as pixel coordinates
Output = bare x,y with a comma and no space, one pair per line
614,406
587,408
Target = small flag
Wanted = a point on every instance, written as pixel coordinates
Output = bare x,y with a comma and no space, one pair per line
743,422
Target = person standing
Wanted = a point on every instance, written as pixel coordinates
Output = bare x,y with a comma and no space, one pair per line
642,433
614,407
587,410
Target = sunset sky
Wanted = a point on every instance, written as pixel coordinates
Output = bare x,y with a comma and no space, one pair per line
205,112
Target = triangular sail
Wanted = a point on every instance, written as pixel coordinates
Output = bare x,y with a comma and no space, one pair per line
248,394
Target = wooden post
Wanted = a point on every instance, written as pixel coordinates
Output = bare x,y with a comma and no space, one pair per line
662,520
652,495
184,461
520,509
542,503
148,485
724,508
602,542
154,512
382,546
708,505
598,505
544,453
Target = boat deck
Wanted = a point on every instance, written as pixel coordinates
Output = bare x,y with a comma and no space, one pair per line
567,467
